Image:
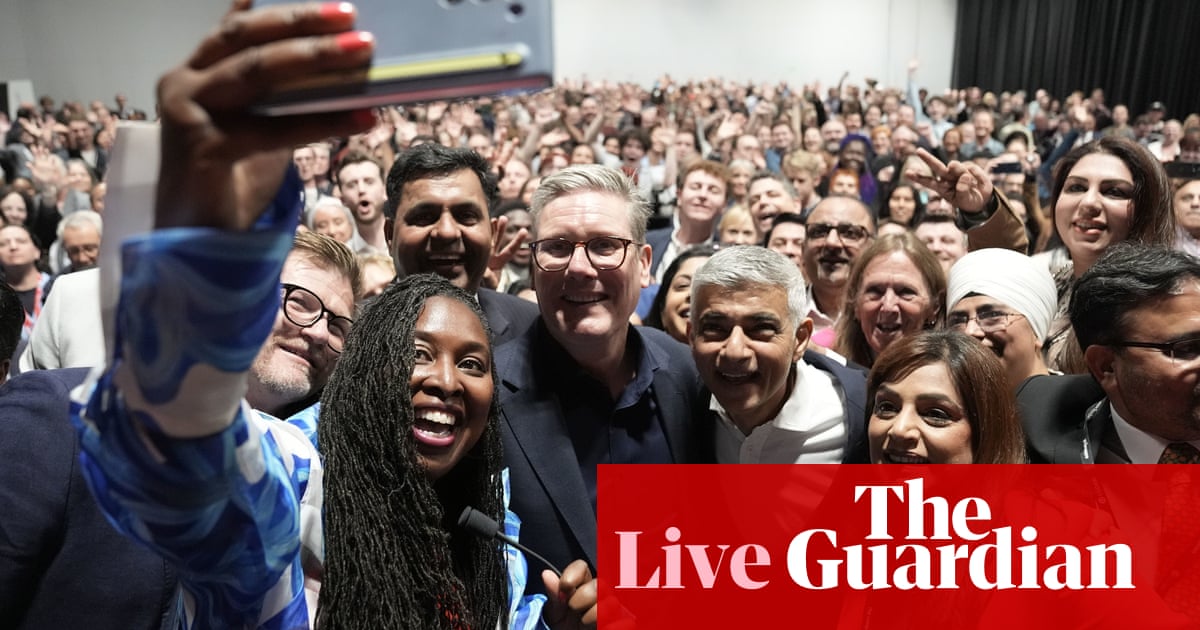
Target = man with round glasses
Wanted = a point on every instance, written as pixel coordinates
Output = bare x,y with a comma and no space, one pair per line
1005,300
320,281
583,387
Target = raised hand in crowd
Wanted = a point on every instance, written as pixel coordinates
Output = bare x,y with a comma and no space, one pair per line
964,184
223,161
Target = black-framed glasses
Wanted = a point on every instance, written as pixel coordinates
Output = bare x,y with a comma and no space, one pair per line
605,253
1180,350
304,309
848,232
989,321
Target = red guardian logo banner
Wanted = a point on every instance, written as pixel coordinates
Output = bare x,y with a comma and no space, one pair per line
894,547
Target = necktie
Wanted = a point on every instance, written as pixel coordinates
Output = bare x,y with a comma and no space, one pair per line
1180,453
1178,574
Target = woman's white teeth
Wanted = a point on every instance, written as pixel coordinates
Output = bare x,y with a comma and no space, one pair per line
437,417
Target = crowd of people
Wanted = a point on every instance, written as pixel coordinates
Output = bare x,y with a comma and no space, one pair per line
702,271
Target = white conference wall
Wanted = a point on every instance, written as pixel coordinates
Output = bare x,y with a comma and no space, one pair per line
89,49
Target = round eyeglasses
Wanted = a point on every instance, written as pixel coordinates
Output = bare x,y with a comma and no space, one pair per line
605,253
304,309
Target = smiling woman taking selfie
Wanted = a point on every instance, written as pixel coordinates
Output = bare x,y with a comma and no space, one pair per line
408,427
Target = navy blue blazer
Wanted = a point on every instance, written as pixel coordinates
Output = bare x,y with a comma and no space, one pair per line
61,564
508,315
548,491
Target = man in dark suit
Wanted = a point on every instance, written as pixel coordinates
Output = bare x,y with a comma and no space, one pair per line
62,565
582,386
773,403
437,216
1136,313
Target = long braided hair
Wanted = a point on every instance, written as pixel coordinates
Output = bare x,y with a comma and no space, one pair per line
394,557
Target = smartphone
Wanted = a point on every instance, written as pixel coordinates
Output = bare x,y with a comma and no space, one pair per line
429,50
1007,167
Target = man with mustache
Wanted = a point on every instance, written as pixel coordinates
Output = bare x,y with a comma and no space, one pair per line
437,215
837,231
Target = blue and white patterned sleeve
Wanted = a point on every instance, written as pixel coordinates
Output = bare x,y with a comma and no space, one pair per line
525,611
173,455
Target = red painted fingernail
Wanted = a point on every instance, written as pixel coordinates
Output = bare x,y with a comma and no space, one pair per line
354,40
332,10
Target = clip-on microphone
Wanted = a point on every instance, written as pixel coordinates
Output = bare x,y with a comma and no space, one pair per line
483,526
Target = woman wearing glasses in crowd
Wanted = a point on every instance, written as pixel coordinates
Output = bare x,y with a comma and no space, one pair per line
896,288
1009,312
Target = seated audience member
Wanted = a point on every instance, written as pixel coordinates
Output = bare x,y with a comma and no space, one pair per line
896,288
737,228
273,504
78,244
1187,217
1135,313
582,386
943,237
20,256
773,402
1005,300
377,271
770,196
702,197
671,306
937,397
836,232
787,237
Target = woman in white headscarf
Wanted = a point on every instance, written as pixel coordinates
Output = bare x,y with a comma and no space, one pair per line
1007,301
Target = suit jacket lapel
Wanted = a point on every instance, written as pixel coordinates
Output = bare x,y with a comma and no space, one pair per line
534,419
